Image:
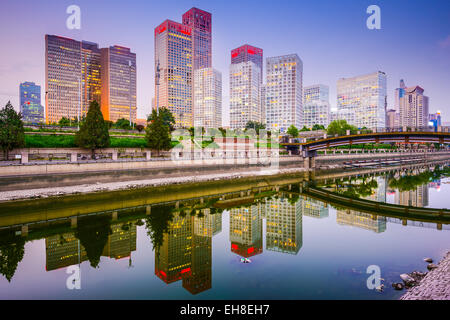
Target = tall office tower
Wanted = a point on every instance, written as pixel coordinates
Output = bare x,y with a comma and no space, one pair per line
316,105
247,53
284,226
207,98
121,242
246,231
245,94
200,276
63,250
30,103
314,208
414,198
201,26
91,77
366,96
118,83
284,92
399,93
173,257
62,78
414,108
361,220
174,58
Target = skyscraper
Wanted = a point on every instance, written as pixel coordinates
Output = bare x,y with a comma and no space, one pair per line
247,53
207,98
414,108
399,93
118,83
174,58
284,92
62,78
366,96
316,105
30,103
201,26
245,94
91,77
246,231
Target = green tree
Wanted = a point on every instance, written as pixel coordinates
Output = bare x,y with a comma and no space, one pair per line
340,127
123,124
64,122
11,129
318,127
93,132
167,116
255,125
157,224
305,128
293,131
157,133
10,256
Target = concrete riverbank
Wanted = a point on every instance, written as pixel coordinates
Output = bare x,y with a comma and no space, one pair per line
435,285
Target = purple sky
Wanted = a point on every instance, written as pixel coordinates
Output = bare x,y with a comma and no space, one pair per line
330,36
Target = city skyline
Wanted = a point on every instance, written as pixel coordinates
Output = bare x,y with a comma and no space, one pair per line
321,65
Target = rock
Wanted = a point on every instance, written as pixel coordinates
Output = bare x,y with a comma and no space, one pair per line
431,266
429,260
398,286
407,279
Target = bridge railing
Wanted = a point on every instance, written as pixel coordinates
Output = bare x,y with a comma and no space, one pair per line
375,130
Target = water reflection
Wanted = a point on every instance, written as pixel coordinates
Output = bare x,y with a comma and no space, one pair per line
182,232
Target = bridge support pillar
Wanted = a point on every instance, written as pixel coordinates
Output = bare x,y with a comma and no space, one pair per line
73,222
405,222
202,200
148,210
24,231
439,226
177,204
114,215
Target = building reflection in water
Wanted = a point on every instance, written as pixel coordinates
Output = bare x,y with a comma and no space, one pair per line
284,225
246,230
314,208
63,250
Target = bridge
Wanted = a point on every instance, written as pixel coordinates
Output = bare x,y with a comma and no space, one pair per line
309,149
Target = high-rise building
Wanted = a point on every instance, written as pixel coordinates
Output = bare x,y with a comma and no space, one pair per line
201,25
392,118
62,78
207,98
246,231
174,58
366,96
245,94
399,93
118,83
91,77
30,103
314,208
284,92
361,220
413,198
247,53
435,118
316,105
284,225
414,108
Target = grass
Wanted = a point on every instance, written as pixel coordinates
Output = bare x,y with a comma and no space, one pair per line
65,141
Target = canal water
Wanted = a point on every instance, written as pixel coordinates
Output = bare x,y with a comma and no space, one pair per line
273,244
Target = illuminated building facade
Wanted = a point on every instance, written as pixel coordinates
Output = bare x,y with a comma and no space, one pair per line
121,242
201,25
245,94
118,83
316,106
246,231
62,78
63,250
414,108
248,53
30,103
284,225
361,220
173,54
314,208
413,198
284,92
207,98
366,96
91,77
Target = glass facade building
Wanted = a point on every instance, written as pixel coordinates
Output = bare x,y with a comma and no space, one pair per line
62,78
247,53
207,98
366,96
316,106
245,94
284,92
174,56
91,77
30,103
118,83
